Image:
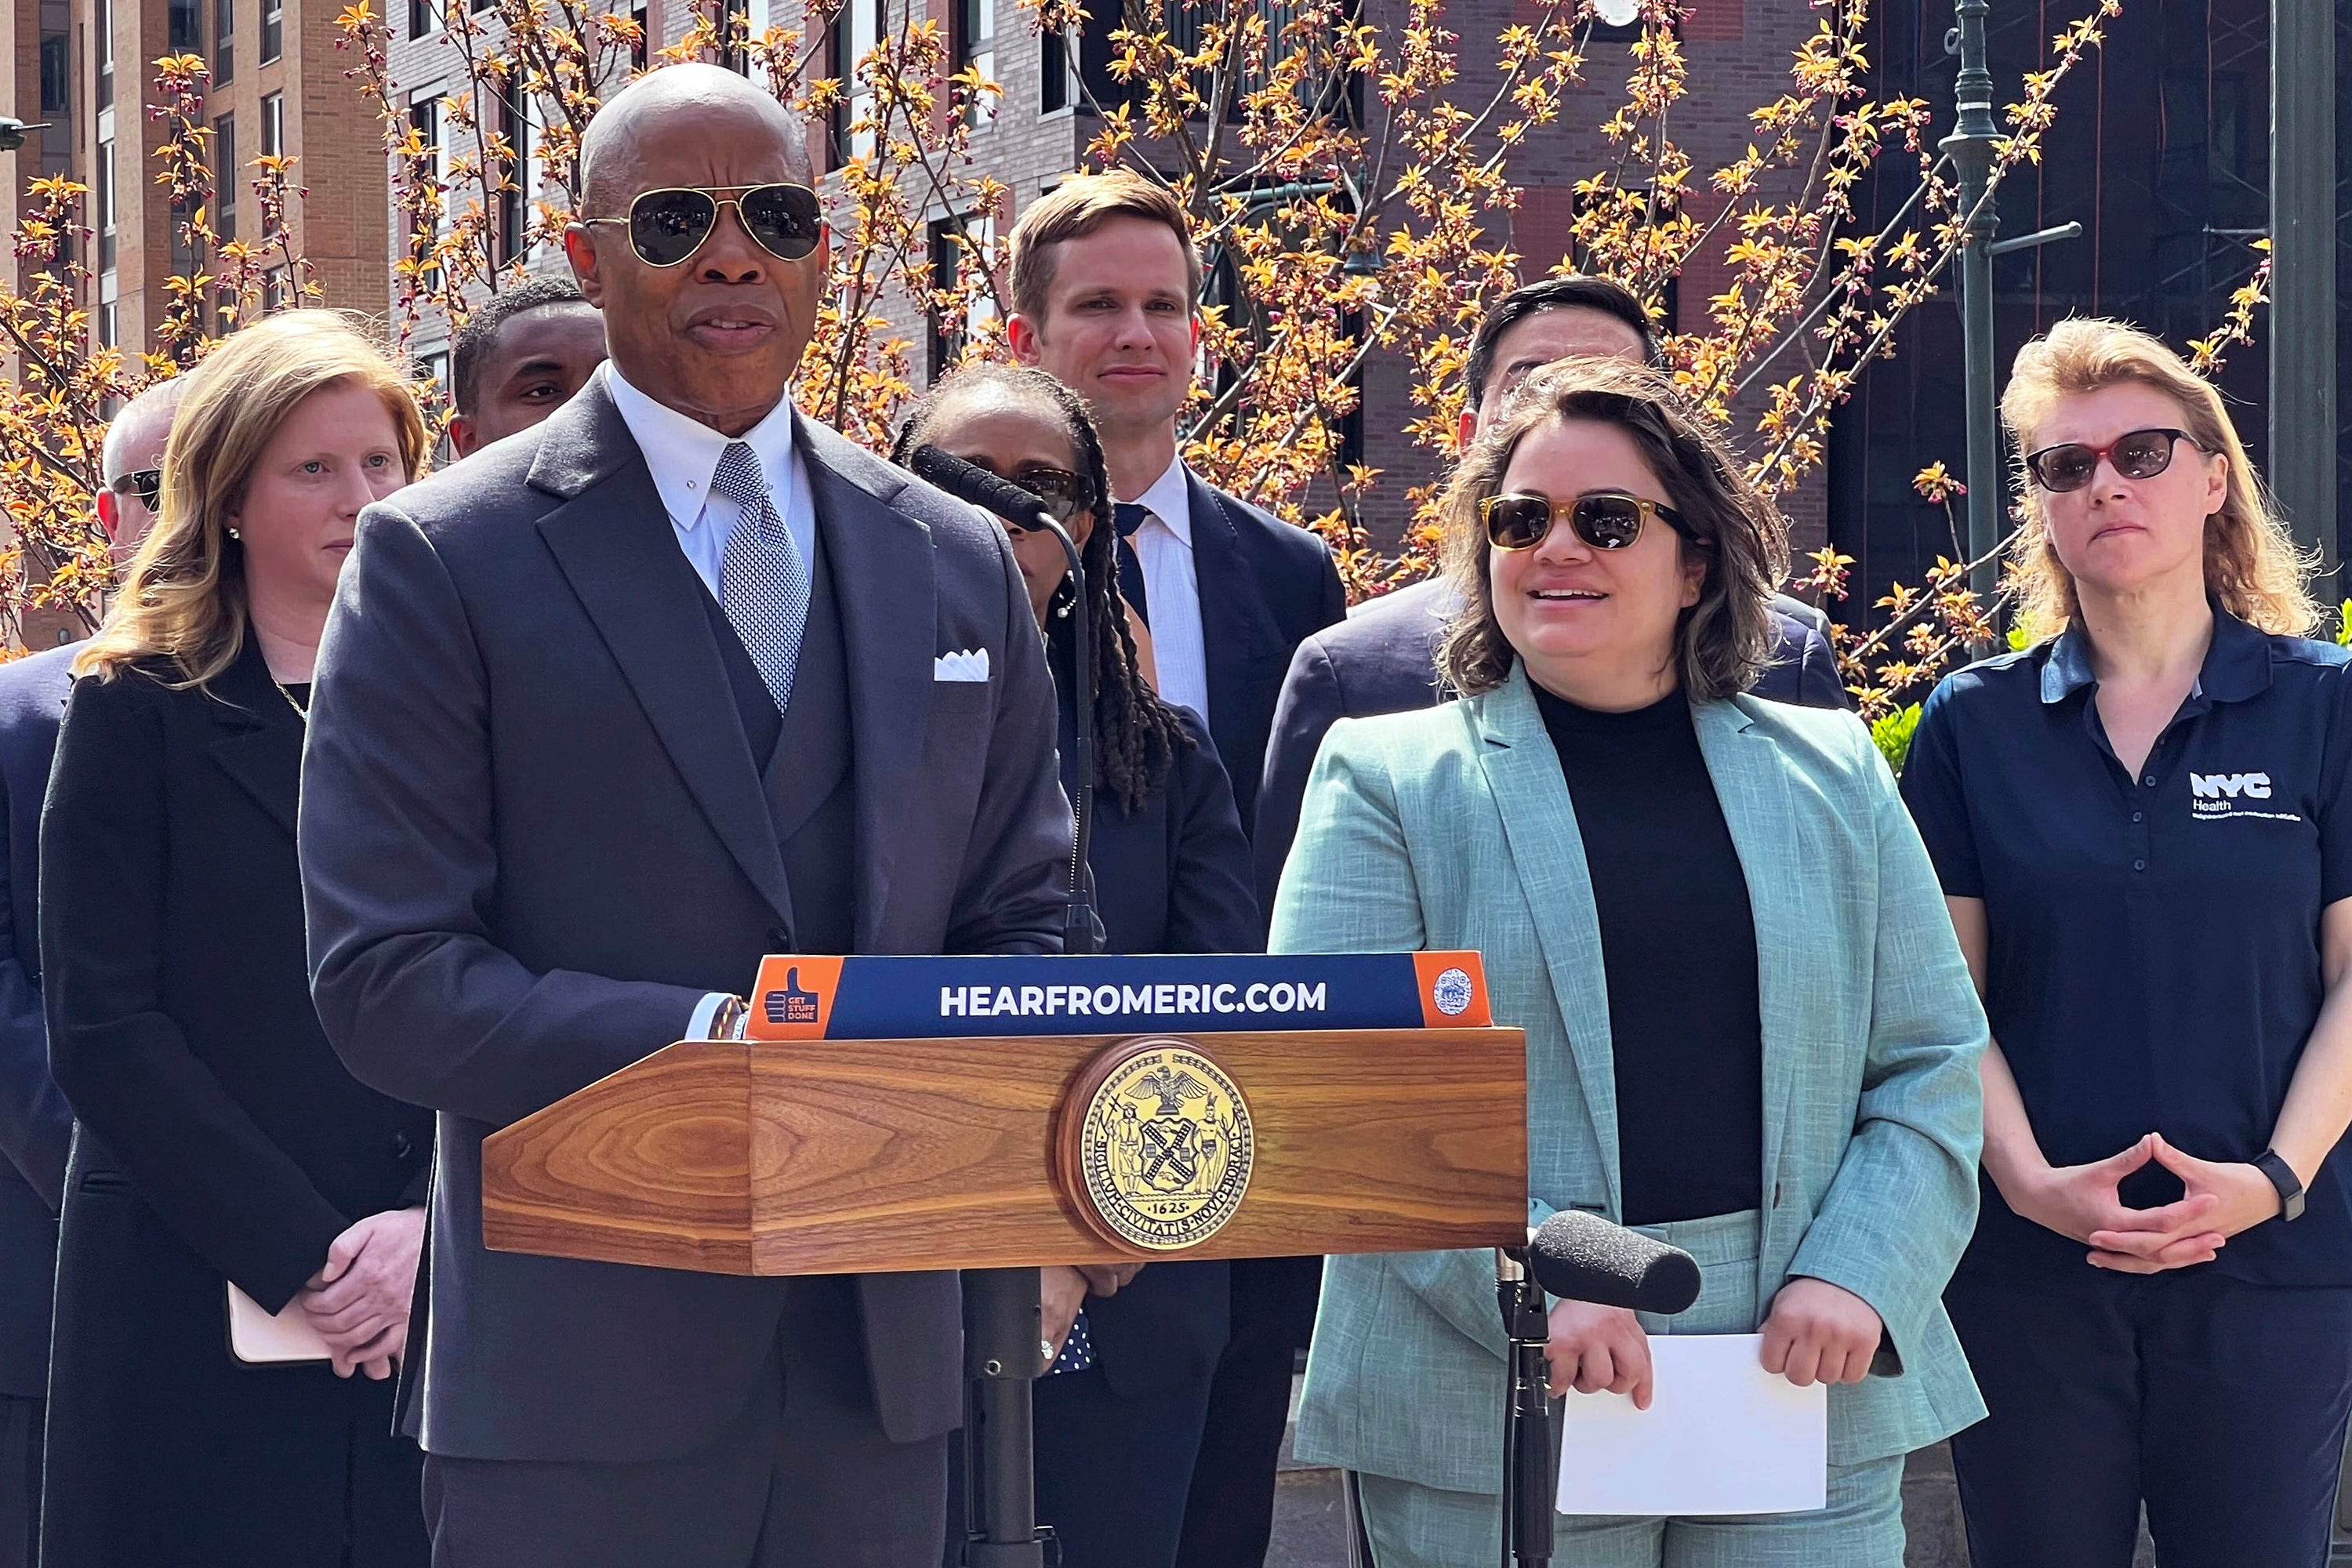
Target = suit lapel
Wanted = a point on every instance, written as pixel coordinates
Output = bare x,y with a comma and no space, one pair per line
261,743
882,574
1753,790
1524,775
614,542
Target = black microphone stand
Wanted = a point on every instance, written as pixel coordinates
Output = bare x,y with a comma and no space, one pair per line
1526,1416
1004,1344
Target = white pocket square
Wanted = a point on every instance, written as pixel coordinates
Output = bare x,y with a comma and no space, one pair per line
970,664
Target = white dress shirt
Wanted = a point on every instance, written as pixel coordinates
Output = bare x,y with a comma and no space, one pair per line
683,453
1172,588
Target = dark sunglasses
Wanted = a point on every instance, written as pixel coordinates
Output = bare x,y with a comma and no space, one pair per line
2136,455
147,484
1606,520
1063,493
668,227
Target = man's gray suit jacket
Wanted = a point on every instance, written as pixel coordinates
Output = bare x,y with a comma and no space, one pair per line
533,838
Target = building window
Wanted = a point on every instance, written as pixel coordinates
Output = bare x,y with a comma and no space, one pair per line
975,51
642,51
1057,73
102,24
181,27
273,29
108,325
223,42
277,290
950,238
855,32
734,30
424,18
273,125
225,180
56,74
105,193
424,117
514,209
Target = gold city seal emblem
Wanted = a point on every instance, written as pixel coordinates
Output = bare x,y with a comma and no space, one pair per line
1164,1147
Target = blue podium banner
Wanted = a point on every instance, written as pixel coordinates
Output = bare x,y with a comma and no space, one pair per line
801,997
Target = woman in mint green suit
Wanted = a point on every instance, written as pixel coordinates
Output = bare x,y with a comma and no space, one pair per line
1750,1029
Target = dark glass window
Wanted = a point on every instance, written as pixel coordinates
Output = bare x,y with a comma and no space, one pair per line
102,27
224,61
56,74
181,26
273,29
225,179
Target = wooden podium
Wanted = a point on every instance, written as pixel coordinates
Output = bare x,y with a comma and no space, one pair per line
1001,1153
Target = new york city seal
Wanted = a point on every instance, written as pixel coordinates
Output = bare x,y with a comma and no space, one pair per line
1163,1148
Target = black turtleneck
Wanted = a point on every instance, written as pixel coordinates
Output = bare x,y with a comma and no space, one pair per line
1678,949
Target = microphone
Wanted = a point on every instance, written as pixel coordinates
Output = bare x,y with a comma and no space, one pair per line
1580,1257
1081,930
970,482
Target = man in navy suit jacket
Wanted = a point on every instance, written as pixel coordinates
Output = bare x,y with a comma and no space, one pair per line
35,1124
1106,296
1383,658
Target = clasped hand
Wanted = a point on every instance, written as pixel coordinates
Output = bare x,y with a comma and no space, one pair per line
1816,1332
2223,1197
1063,1292
358,1301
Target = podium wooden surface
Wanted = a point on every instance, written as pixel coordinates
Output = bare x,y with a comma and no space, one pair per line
867,1156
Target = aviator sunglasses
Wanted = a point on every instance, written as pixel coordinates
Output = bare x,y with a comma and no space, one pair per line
668,227
147,484
1605,520
2136,455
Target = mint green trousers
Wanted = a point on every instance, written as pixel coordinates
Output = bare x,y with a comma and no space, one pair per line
1413,1526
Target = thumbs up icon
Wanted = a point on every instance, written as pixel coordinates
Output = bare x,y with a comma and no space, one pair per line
791,1004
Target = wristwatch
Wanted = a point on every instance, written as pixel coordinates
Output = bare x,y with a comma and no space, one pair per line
2283,1177
728,1022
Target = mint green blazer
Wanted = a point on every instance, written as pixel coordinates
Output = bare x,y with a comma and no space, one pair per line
1451,828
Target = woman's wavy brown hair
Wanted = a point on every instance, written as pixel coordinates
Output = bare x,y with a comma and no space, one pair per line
184,598
1721,642
2251,562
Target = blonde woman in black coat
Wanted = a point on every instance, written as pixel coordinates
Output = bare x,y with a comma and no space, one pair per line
219,1142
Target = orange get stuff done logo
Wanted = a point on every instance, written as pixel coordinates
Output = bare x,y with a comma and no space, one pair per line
802,996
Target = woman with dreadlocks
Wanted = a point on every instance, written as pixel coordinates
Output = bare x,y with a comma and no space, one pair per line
1118,1418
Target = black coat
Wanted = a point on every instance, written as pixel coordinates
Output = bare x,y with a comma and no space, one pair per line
217,1137
34,1124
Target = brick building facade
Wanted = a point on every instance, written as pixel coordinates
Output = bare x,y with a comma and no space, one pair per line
83,66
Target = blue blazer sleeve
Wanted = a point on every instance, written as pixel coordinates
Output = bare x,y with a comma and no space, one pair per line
35,1124
1211,906
1309,705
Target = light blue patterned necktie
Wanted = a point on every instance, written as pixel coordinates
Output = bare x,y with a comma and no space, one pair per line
763,584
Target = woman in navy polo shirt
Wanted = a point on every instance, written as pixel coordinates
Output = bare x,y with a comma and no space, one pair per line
2144,831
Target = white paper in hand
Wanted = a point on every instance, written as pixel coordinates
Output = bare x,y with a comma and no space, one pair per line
1722,1435
258,1339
